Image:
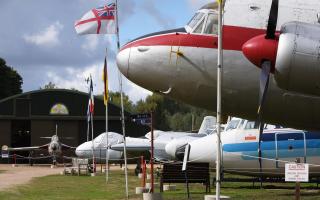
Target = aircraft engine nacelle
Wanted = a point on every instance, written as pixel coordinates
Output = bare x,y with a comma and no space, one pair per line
298,58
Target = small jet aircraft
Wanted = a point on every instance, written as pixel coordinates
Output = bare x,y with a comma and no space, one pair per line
55,147
166,142
240,142
281,37
85,149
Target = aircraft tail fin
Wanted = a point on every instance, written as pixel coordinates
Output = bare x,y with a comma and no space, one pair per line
207,125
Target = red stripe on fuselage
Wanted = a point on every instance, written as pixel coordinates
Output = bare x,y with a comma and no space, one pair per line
233,39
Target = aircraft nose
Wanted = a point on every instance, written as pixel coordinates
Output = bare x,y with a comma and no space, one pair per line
123,61
79,151
171,148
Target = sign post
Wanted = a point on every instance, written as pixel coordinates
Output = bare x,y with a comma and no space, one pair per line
297,172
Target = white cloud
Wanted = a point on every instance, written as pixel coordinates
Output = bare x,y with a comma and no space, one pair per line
72,77
91,43
47,37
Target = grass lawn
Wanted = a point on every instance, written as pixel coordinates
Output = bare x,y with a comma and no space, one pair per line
85,187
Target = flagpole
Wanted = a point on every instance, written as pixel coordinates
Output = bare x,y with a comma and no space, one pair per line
219,86
105,74
93,157
122,109
107,153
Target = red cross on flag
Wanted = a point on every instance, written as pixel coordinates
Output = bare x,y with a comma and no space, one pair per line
99,20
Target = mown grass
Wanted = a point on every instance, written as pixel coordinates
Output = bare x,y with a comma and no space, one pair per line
86,187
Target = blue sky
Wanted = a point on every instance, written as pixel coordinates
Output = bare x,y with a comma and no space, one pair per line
38,39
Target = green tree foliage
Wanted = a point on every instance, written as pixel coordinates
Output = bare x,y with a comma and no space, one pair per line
49,85
10,80
115,98
170,114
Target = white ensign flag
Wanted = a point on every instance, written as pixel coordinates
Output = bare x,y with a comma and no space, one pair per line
99,20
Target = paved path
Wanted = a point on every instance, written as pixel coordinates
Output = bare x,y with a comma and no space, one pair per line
22,174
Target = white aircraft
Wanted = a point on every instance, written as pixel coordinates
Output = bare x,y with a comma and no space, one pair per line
283,40
85,150
240,149
166,142
55,147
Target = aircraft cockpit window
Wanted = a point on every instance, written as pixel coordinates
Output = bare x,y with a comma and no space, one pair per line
194,21
233,124
212,24
199,28
250,125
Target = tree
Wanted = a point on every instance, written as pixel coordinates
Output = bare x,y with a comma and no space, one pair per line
49,85
10,80
170,114
115,98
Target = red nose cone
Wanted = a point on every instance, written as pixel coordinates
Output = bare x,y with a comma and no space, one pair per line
259,49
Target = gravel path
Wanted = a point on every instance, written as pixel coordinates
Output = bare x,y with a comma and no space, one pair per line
22,174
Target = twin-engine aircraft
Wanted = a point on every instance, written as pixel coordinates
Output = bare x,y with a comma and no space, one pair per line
55,147
282,37
240,142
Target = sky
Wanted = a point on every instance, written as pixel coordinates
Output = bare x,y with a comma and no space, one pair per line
38,39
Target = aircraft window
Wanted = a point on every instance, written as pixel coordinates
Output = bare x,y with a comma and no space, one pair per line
212,24
233,124
194,21
199,28
250,125
242,122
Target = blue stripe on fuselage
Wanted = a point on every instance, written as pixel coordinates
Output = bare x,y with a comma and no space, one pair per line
268,148
290,135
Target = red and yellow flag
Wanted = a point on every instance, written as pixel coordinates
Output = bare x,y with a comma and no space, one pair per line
105,82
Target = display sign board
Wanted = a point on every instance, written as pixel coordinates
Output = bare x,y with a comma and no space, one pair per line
143,119
297,172
4,152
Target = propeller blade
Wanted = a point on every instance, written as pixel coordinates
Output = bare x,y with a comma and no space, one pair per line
273,18
264,83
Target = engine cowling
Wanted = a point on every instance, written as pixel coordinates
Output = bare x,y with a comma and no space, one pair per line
298,58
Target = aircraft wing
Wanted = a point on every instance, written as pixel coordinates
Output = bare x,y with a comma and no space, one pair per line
133,144
28,148
67,146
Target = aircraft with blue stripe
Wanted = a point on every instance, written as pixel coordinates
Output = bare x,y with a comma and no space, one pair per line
240,148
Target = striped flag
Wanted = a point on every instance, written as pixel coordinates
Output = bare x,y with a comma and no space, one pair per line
105,82
99,20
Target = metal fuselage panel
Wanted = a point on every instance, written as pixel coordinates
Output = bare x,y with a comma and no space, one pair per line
240,154
190,75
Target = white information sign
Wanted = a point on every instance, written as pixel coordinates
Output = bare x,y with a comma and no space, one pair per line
297,172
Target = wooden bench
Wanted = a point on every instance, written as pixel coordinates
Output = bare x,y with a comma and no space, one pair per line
196,173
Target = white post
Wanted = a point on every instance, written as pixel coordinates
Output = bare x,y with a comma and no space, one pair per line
107,149
122,109
107,135
219,83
